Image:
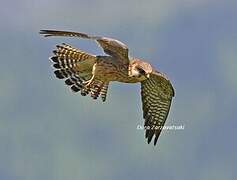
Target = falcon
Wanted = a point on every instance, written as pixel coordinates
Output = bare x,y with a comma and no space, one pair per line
91,74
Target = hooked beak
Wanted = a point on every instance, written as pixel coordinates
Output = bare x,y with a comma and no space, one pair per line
148,75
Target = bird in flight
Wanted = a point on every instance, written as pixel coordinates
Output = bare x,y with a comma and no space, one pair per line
91,74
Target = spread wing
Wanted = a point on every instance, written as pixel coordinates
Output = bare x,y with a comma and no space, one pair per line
110,46
157,93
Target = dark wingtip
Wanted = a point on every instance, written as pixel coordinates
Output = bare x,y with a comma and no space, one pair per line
44,33
149,139
155,141
47,33
149,134
146,134
41,31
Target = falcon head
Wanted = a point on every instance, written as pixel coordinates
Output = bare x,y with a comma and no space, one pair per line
140,69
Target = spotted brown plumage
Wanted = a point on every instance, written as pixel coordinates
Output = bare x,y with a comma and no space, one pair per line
91,74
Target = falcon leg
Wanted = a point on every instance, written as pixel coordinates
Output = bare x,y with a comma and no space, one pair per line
89,82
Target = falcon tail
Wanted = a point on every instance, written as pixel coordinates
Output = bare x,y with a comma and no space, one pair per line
70,61
76,67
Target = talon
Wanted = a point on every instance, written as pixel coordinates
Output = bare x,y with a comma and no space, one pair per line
87,83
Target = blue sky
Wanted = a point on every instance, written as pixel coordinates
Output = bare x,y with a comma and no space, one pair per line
47,132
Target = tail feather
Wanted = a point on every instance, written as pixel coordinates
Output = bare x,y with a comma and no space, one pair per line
104,90
65,56
99,88
76,67
64,73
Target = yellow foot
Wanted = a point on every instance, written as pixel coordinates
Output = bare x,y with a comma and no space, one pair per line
87,83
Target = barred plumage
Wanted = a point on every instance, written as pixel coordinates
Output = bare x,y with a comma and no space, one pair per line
157,93
91,74
76,66
104,90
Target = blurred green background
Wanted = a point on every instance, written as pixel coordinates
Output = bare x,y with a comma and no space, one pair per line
47,132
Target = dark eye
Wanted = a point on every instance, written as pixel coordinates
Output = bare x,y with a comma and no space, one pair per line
140,70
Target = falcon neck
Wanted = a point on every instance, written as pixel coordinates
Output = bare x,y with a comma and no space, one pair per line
108,68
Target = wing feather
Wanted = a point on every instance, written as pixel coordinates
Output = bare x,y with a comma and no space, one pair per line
110,46
156,93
